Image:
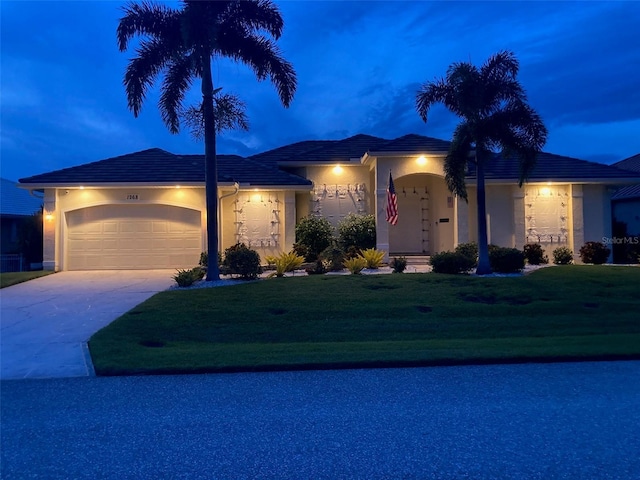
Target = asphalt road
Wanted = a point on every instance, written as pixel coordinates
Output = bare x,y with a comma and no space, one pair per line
568,421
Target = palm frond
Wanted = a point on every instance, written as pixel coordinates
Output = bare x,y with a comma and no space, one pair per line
431,93
519,132
263,56
455,163
145,19
176,82
257,15
500,66
229,113
142,71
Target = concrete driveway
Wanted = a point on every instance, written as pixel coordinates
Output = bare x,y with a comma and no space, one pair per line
45,323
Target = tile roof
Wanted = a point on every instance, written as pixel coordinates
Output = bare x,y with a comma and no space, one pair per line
631,163
159,166
322,150
627,193
553,167
17,201
415,144
289,152
344,150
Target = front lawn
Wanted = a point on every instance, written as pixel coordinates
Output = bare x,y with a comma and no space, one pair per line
560,313
12,278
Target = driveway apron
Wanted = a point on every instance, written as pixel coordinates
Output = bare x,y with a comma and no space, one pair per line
45,323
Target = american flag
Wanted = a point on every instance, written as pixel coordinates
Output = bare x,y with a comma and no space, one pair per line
392,202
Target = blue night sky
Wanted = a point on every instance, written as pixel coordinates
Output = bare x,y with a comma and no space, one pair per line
359,65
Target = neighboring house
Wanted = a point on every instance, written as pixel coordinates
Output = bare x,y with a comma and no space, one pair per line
16,207
147,209
626,201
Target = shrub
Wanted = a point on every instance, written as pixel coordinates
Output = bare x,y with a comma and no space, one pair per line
318,268
242,260
204,259
357,231
373,257
562,256
314,233
199,272
186,278
469,250
355,265
534,254
399,264
506,260
451,262
285,262
332,257
594,252
301,250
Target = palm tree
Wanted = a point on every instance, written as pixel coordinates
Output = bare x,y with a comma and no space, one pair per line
495,116
180,45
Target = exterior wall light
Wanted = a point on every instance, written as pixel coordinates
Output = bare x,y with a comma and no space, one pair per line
338,170
545,191
421,160
49,217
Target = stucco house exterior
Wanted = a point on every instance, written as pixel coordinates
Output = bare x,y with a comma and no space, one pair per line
147,209
626,201
17,207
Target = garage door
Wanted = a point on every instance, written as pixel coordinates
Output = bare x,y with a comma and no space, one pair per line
133,237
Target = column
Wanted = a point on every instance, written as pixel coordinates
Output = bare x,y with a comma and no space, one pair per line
289,227
50,219
519,221
577,219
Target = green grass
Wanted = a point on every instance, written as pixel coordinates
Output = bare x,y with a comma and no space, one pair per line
571,312
12,278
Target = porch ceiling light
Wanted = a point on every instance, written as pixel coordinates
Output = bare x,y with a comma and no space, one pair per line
545,191
337,170
421,160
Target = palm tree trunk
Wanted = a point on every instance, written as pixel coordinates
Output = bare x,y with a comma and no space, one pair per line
211,173
484,267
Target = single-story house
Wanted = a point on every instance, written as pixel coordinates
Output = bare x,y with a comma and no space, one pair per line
626,201
147,209
17,206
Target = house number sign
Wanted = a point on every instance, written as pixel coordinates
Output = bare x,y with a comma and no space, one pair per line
133,196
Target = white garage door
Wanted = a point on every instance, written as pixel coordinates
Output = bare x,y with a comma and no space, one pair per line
133,237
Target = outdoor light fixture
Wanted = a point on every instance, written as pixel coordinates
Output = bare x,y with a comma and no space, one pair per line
421,160
177,186
337,169
545,191
81,187
48,217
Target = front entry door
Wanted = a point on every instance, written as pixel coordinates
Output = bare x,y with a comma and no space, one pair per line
411,234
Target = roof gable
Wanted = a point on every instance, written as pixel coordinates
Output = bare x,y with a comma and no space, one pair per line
631,163
414,144
322,150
